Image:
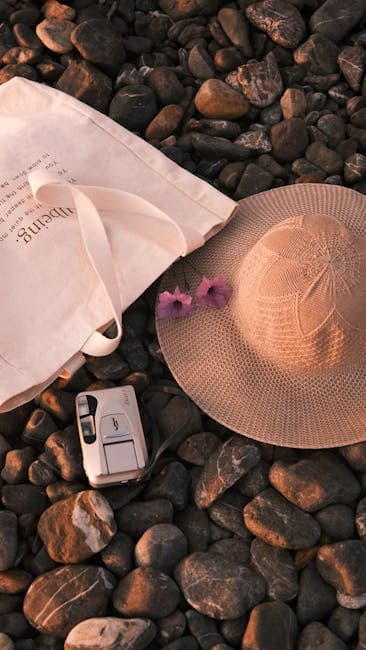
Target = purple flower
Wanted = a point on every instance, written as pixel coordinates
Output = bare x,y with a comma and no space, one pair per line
174,305
213,293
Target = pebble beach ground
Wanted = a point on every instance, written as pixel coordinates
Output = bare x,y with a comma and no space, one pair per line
231,543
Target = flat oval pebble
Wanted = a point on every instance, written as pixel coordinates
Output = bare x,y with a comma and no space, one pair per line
99,42
315,482
270,625
165,122
145,591
279,19
133,107
277,569
276,521
317,635
334,18
217,586
198,447
85,82
319,54
161,546
343,565
111,633
76,528
289,139
178,9
59,599
316,598
234,458
215,99
236,28
8,539
55,34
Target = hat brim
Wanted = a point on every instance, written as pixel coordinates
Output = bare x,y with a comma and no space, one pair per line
220,370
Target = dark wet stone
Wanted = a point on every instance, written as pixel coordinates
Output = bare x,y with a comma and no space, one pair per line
161,547
254,142
197,448
8,539
268,163
29,15
209,147
163,125
55,34
236,29
179,9
217,533
316,598
6,642
347,147
315,482
227,59
361,519
16,466
171,483
137,516
50,71
343,565
289,139
137,44
195,525
166,85
217,100
352,63
355,168
279,19
16,626
276,567
76,528
219,128
59,403
227,512
344,622
335,19
204,629
63,453
253,180
321,82
62,489
255,481
133,349
170,627
26,55
203,577
225,466
134,107
7,39
111,367
118,555
4,448
270,626
17,70
327,159
14,581
234,547
340,93
10,602
26,37
337,522
302,167
119,495
333,127
185,643
145,591
99,42
319,54
200,63
315,135
109,632
230,176
39,563
317,635
59,599
276,521
178,413
261,81
24,499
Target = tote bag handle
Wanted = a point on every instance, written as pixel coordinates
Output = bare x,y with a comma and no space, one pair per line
49,189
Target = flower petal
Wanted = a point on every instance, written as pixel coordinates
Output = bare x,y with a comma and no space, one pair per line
174,305
213,293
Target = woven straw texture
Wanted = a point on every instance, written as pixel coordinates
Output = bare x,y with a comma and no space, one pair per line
284,362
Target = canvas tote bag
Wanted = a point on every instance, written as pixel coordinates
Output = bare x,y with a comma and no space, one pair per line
90,216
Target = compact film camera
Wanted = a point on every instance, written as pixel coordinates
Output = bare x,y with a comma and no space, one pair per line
111,436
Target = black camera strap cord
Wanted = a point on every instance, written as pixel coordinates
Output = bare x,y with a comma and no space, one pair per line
158,449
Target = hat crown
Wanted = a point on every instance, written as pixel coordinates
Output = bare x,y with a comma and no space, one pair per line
302,293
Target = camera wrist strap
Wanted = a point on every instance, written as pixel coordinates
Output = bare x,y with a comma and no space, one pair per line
176,437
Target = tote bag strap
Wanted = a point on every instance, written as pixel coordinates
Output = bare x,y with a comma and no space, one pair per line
49,189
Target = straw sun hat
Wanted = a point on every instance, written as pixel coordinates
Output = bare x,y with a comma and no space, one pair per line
284,361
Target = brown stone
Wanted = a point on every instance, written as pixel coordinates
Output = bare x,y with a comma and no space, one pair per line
215,99
289,139
165,122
